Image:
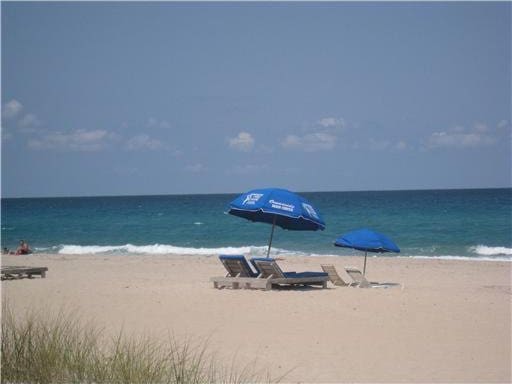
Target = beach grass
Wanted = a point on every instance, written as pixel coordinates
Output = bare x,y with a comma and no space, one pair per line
60,348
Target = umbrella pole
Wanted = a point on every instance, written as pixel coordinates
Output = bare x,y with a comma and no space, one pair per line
364,268
271,236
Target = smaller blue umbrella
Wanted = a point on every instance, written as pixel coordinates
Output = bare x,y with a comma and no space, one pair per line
277,207
368,241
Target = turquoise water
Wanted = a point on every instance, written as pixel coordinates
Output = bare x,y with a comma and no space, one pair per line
436,223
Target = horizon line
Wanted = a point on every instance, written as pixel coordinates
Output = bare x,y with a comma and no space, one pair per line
235,193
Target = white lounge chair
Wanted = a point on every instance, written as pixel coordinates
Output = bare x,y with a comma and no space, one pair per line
361,281
240,275
334,276
357,277
271,270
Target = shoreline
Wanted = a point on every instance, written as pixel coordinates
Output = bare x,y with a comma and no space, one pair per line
448,321
124,250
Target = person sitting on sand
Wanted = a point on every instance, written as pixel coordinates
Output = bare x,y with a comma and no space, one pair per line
23,248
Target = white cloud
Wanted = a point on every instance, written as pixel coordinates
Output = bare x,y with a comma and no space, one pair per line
242,142
502,124
401,145
481,128
311,142
332,122
291,141
319,136
77,140
11,109
28,122
460,139
143,142
155,123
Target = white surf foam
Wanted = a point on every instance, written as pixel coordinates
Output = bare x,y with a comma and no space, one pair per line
161,249
440,257
481,252
484,250
472,258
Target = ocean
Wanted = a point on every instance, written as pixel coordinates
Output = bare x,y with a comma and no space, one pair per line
471,223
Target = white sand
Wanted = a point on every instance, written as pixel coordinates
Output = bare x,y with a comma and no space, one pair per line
449,322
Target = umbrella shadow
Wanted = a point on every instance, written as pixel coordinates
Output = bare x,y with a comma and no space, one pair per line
384,285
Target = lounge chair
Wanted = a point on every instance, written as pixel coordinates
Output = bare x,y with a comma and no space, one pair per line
253,263
237,266
270,269
240,274
362,282
357,277
333,275
19,272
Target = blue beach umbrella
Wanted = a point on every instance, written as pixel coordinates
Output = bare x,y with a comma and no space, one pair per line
277,207
368,241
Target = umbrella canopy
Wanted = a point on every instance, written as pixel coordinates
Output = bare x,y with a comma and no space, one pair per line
368,241
277,207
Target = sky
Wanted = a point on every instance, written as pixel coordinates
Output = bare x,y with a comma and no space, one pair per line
131,98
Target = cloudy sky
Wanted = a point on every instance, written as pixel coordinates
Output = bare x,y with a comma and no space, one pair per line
165,98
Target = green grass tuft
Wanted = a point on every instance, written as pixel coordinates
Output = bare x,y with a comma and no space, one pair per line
61,349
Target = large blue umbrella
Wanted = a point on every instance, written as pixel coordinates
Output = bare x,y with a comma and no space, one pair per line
277,207
368,241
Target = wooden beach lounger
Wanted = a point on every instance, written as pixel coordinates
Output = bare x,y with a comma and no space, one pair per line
254,259
333,275
270,269
240,275
237,265
19,272
242,282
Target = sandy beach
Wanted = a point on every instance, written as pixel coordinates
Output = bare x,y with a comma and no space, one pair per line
448,321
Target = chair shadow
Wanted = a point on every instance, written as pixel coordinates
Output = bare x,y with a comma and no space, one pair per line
301,288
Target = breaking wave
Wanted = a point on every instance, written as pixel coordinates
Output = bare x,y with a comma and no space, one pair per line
484,250
480,252
160,249
469,258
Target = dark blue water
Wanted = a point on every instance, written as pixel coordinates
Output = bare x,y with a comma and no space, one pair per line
467,223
